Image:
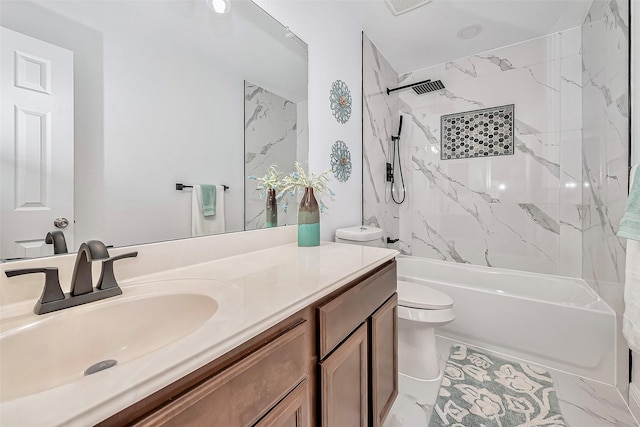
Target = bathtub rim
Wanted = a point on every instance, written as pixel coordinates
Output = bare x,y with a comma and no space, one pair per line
603,306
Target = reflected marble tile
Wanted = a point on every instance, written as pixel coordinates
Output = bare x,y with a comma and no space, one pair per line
271,136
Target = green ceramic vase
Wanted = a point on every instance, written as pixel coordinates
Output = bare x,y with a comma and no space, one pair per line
272,209
308,220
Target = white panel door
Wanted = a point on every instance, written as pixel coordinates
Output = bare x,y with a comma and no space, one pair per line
36,144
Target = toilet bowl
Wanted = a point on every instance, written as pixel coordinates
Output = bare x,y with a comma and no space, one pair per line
363,235
420,310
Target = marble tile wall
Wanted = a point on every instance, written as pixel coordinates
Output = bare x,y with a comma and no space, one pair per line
605,103
527,211
380,120
605,40
270,138
523,211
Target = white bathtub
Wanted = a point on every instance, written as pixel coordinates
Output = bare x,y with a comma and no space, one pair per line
558,322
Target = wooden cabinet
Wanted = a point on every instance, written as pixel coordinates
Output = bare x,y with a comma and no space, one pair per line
333,363
358,352
344,383
243,393
293,411
384,360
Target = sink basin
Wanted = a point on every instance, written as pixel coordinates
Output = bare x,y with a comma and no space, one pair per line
57,348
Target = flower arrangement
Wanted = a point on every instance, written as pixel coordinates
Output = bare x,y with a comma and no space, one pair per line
270,181
299,180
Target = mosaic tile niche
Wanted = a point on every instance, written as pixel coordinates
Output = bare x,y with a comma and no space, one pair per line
478,133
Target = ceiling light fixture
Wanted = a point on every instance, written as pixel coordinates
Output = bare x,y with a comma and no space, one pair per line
219,6
470,32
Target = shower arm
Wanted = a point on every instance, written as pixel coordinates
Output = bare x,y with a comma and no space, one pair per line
407,86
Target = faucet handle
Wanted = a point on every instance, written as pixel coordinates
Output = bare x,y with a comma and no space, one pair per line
52,290
107,277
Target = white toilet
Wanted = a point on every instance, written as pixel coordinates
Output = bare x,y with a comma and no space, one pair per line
420,310
361,235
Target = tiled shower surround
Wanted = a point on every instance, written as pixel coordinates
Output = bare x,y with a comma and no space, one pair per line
554,206
605,111
523,211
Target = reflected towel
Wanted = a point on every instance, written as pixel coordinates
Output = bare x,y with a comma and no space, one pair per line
208,199
631,319
630,222
204,225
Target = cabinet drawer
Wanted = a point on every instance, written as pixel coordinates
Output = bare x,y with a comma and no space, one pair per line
343,314
241,394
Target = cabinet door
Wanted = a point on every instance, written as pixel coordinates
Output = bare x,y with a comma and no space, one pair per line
384,359
293,411
343,383
241,394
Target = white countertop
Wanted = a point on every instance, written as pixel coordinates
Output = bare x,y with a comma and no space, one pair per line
254,291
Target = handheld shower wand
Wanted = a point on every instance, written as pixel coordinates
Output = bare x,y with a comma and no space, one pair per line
391,167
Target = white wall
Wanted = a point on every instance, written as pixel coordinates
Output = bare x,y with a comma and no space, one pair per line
163,119
334,54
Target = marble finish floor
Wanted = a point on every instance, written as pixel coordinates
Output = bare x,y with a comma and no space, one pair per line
583,402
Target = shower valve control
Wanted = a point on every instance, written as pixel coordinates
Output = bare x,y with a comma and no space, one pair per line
389,172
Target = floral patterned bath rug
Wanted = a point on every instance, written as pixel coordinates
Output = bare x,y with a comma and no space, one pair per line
479,390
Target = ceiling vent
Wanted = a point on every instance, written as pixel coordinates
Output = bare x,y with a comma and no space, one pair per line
398,7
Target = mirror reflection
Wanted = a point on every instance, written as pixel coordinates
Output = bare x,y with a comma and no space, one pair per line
275,135
108,105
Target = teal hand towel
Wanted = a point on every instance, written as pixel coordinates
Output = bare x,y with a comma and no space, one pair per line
630,222
208,199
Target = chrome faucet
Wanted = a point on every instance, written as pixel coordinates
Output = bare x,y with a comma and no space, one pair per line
82,290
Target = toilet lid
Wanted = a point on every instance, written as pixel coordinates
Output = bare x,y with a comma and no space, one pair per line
359,233
415,295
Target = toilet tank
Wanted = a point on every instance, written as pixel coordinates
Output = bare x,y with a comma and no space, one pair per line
363,235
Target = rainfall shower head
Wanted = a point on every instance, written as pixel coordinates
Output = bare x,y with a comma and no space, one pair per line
428,87
422,87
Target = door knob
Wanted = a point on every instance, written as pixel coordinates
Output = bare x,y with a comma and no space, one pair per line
61,222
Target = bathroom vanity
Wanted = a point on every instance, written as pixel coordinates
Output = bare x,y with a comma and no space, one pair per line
310,369
298,336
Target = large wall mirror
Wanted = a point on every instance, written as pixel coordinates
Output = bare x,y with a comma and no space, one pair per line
107,105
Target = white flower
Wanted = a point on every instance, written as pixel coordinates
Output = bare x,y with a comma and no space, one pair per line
299,180
516,380
453,372
480,360
518,404
477,373
453,410
483,403
459,353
